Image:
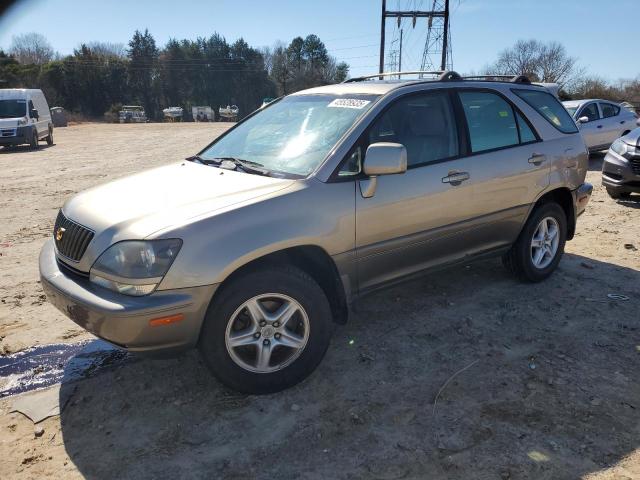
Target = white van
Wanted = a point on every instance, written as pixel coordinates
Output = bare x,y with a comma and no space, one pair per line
24,117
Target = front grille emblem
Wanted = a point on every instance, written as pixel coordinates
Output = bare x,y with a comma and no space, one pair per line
59,233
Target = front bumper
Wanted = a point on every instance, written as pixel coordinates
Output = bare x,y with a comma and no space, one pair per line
618,173
15,135
124,320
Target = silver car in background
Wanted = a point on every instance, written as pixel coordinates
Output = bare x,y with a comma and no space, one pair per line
600,121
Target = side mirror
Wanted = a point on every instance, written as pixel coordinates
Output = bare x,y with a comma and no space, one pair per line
382,158
583,119
35,114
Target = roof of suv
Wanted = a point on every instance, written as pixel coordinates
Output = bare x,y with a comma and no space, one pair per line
370,85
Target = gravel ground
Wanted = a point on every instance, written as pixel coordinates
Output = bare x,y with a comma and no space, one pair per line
462,374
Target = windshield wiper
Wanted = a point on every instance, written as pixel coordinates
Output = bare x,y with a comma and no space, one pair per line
246,165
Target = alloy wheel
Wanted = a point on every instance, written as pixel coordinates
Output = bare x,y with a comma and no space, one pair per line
544,243
267,332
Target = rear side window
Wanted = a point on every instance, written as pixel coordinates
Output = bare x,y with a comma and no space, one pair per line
550,108
526,134
490,120
609,110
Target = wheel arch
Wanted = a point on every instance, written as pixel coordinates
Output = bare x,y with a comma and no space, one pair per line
311,259
563,197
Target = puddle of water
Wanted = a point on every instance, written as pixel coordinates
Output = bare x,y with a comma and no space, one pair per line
45,365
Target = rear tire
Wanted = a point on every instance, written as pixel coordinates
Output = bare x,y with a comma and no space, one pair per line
615,194
241,329
49,138
538,250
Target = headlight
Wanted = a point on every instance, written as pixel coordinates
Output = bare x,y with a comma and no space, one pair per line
22,121
622,148
135,267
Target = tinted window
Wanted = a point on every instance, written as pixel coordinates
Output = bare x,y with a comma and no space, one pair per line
590,111
550,108
490,121
609,110
526,134
423,123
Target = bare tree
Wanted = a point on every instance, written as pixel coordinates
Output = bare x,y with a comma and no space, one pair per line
31,48
541,62
108,49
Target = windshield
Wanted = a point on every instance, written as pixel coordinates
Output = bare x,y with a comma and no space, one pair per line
571,110
293,135
13,108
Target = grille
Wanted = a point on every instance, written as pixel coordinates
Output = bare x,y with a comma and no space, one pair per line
8,132
74,239
635,165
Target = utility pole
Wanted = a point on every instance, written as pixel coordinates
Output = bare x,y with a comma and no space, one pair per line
445,36
437,13
400,54
384,11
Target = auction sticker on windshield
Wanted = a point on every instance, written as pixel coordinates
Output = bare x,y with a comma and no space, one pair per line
349,103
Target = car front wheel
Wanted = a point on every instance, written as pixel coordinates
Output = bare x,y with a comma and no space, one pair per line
266,330
540,246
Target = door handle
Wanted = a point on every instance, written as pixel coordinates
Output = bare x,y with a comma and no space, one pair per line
622,122
537,158
599,126
455,178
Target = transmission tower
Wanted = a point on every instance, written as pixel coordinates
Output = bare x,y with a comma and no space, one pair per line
438,36
437,46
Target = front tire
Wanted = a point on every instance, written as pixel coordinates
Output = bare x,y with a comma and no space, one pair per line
540,246
33,145
267,330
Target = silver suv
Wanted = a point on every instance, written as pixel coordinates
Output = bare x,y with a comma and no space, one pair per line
254,248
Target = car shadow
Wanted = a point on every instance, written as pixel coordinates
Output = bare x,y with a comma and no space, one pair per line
461,374
24,148
631,202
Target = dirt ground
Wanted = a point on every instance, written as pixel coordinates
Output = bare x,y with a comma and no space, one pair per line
462,374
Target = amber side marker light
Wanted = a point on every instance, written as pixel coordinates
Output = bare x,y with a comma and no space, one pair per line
157,322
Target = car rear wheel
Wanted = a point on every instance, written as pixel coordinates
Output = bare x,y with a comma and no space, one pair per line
615,194
49,138
266,330
540,246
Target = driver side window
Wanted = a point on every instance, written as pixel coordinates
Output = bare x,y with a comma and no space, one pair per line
591,112
424,123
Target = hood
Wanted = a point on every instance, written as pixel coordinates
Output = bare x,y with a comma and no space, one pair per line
633,137
170,196
9,122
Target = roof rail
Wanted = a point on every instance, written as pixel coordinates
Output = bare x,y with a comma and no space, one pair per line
443,75
500,78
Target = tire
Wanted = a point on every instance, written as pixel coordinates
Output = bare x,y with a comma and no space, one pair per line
519,260
615,194
229,319
49,138
34,145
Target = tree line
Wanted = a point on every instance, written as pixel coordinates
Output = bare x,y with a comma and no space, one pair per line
550,62
98,78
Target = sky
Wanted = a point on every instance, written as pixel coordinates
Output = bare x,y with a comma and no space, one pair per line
591,30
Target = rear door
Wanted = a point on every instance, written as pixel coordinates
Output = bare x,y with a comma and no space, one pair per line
613,122
508,166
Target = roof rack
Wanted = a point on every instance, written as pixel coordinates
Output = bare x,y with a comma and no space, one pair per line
500,78
443,75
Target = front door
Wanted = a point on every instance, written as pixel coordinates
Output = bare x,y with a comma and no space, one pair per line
592,131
